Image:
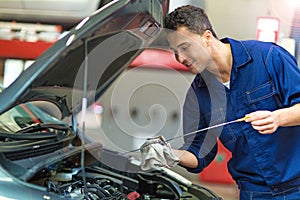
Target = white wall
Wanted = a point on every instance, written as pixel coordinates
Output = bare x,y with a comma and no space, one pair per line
176,3
237,18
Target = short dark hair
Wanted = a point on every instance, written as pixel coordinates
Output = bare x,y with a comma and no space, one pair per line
192,17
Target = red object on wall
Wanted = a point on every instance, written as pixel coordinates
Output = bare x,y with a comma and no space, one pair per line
267,29
217,171
158,58
22,49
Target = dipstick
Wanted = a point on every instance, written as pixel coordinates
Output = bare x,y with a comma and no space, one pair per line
199,130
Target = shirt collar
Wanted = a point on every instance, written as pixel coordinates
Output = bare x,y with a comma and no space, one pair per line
240,56
239,52
205,78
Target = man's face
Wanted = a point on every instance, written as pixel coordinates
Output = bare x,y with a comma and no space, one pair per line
190,49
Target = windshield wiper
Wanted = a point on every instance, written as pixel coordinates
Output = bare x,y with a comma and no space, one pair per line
37,132
28,136
37,127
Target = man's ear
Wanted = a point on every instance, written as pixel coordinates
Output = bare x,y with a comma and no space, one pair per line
207,37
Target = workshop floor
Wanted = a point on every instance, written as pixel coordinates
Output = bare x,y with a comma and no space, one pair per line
226,191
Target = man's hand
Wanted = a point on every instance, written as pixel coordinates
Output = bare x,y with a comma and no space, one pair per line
265,122
156,152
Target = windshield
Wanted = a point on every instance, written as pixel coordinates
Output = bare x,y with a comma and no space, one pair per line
22,116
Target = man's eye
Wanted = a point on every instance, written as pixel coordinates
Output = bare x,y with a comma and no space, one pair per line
184,48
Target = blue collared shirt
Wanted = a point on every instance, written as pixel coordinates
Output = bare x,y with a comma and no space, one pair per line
264,76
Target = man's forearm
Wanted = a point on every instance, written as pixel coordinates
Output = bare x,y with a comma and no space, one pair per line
186,158
289,116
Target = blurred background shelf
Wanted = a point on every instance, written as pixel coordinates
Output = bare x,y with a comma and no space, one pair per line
22,49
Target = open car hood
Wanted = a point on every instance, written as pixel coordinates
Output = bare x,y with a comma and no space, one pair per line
81,65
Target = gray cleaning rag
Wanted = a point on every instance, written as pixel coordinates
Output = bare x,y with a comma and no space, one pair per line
156,152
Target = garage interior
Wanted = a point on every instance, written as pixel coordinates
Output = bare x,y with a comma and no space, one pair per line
29,27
